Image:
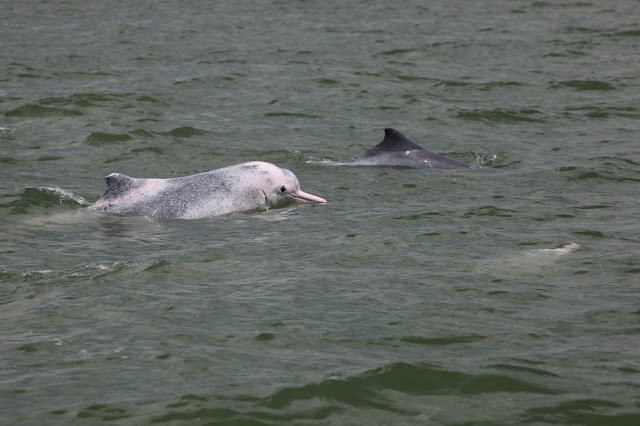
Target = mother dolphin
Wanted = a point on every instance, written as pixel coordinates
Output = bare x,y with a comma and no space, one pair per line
243,187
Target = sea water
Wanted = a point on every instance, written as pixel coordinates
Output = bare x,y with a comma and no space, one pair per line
507,293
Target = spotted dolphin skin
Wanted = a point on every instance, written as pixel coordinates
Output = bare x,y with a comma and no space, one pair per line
243,187
397,150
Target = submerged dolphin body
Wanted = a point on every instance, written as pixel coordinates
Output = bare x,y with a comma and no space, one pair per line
243,187
397,150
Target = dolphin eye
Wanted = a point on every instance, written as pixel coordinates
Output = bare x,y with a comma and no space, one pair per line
282,188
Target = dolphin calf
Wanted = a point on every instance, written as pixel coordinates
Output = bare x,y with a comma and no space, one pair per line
243,187
397,150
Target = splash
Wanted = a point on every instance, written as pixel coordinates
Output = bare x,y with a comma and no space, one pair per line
43,197
64,195
559,251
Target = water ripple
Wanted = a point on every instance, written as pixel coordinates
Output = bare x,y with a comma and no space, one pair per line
527,115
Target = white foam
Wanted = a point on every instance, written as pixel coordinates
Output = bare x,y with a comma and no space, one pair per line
559,251
65,195
326,162
29,273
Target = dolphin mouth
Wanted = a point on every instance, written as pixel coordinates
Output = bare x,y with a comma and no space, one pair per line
307,198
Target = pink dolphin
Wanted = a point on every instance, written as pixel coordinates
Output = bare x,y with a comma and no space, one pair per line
243,187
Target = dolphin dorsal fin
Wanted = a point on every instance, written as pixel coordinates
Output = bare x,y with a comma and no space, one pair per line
118,183
396,141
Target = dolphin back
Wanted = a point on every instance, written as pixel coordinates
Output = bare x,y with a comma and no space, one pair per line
398,150
221,191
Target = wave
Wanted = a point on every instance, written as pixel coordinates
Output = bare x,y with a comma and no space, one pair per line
185,132
499,115
49,276
35,110
385,391
43,197
78,104
80,274
583,85
618,169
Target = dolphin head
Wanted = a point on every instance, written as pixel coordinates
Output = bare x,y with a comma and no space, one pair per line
281,187
286,189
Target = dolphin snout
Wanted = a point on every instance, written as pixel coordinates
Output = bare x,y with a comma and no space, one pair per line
304,197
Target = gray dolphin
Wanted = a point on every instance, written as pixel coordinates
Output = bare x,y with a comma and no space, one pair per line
397,150
243,187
